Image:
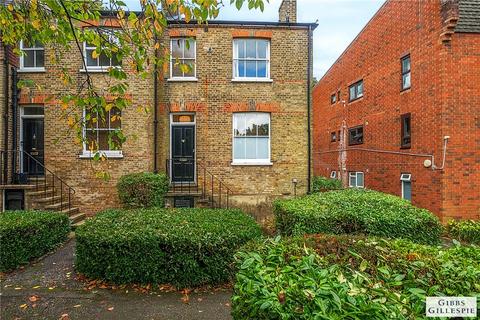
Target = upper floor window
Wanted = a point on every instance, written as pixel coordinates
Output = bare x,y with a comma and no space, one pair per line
101,133
333,136
333,98
33,57
355,90
183,58
406,132
251,59
355,135
251,138
406,72
100,61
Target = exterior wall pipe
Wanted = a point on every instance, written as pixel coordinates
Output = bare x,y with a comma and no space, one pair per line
5,110
309,108
155,114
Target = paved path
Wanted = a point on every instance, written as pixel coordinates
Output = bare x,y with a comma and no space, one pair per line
48,290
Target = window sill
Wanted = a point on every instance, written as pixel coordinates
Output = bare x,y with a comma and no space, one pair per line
356,99
405,90
97,70
406,147
268,163
108,154
252,80
31,70
193,79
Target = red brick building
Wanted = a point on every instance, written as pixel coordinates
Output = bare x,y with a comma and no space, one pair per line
399,111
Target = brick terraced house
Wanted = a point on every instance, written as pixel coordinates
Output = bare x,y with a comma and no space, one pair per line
399,111
233,130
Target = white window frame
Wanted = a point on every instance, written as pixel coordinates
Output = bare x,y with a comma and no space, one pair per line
406,177
252,162
333,175
267,78
86,153
98,67
183,78
31,69
356,174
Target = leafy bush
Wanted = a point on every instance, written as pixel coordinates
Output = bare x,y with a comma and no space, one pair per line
25,235
347,277
465,230
184,247
320,184
142,190
357,211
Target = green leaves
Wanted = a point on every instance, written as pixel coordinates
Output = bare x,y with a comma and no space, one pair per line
25,235
466,230
357,211
142,190
188,247
322,184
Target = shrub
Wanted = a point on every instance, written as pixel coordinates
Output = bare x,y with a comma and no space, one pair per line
357,211
183,247
25,235
142,190
465,230
348,277
320,184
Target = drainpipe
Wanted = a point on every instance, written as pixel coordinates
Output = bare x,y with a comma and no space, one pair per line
309,107
155,112
5,112
14,119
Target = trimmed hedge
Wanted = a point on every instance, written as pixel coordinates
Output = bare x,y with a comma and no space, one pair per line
357,211
464,230
183,247
142,190
25,235
320,184
347,277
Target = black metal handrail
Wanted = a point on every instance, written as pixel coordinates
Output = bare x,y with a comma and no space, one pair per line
16,176
214,190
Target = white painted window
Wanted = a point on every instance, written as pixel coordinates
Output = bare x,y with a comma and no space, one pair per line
33,56
333,174
98,133
355,180
183,58
406,180
100,62
251,138
251,59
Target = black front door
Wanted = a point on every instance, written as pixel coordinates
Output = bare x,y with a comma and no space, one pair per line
183,153
33,144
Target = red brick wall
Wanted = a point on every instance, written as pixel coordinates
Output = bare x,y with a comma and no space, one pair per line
441,101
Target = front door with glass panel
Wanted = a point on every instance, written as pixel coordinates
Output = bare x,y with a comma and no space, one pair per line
33,141
183,149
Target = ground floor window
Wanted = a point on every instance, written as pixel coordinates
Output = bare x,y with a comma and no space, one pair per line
101,132
406,180
251,138
355,179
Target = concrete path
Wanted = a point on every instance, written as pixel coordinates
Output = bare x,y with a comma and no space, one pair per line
48,289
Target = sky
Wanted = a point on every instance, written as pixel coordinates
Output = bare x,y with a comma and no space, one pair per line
339,23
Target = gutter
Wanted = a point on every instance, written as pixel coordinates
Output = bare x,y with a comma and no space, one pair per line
309,108
155,113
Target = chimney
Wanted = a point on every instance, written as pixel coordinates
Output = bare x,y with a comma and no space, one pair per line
288,11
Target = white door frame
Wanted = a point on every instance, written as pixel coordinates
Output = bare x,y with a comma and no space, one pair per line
179,124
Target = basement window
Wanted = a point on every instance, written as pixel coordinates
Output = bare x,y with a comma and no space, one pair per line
356,91
333,175
33,56
355,136
406,131
356,179
406,180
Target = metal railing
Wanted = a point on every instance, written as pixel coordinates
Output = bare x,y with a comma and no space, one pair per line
26,169
202,182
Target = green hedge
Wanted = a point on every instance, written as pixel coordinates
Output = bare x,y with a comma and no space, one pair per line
142,190
320,184
25,235
184,247
348,277
464,230
357,211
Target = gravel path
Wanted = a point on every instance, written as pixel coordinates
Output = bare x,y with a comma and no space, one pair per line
48,289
